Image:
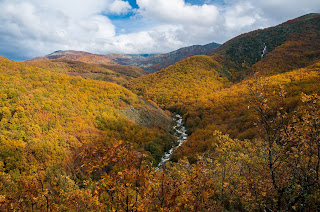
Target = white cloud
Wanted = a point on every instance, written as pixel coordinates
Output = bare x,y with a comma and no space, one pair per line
281,10
36,27
277,11
164,38
221,22
205,23
178,12
120,7
240,15
56,24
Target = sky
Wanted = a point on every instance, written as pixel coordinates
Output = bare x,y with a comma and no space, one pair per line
31,28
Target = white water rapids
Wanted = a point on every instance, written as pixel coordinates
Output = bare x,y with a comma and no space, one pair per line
180,133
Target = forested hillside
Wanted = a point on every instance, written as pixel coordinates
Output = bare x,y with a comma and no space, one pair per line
201,83
47,118
210,103
251,110
262,100
291,45
184,84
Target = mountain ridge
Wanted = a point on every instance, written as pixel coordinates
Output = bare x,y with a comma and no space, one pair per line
252,115
148,62
156,62
245,50
87,65
297,50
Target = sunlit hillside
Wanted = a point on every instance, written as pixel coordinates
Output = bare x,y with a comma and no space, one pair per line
184,84
201,87
46,117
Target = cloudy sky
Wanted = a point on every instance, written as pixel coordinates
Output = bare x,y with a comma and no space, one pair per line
30,28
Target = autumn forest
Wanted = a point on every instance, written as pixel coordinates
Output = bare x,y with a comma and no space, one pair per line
85,132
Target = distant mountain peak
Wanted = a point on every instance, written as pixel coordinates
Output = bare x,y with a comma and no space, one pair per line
155,62
67,52
148,62
310,15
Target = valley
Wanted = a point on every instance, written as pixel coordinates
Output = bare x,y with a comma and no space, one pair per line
180,133
231,127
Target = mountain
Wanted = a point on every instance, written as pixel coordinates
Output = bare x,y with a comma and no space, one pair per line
293,44
87,65
251,109
71,55
153,63
118,68
183,84
252,114
213,92
37,103
149,62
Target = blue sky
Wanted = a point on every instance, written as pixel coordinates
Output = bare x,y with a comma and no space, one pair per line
38,27
133,4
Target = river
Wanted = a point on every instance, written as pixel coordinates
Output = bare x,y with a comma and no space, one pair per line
180,133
